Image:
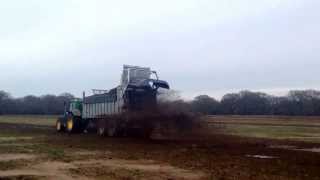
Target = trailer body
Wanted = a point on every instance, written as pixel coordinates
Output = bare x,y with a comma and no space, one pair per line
136,94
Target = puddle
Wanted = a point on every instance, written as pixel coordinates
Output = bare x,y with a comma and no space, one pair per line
11,157
316,150
91,153
283,147
261,156
295,148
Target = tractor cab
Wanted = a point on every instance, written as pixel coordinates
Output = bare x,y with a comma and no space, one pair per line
73,108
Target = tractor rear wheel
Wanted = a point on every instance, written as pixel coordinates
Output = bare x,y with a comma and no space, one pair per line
59,125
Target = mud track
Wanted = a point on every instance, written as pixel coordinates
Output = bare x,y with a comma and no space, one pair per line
48,155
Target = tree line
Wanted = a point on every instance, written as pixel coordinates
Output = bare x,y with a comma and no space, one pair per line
295,103
44,105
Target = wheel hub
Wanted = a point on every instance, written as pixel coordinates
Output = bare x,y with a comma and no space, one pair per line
70,124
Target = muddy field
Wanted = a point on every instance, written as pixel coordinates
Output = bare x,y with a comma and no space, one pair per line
232,148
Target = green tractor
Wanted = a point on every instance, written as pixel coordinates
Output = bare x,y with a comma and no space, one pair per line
71,121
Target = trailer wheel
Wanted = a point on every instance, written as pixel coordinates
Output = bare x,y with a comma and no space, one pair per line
59,126
107,127
101,131
101,127
112,128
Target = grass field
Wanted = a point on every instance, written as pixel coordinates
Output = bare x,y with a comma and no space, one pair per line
273,127
235,147
29,119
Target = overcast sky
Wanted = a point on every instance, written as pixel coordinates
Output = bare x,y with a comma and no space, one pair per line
198,46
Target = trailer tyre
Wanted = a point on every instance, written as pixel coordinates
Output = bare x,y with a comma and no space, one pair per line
107,127
101,127
101,131
112,128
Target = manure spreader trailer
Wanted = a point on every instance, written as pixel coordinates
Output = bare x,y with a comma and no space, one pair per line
117,111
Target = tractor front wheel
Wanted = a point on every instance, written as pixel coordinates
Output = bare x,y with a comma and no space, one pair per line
73,125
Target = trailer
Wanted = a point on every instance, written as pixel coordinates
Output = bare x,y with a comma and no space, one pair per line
117,111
